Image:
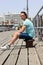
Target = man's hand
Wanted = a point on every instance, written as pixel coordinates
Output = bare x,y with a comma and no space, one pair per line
19,31
22,29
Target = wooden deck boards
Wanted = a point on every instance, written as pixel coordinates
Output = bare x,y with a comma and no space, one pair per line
18,53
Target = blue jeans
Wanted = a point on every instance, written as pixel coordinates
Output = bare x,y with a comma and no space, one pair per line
25,36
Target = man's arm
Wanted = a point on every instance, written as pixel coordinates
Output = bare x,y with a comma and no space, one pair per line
22,29
19,31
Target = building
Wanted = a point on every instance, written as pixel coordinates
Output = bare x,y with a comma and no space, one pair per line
1,20
11,19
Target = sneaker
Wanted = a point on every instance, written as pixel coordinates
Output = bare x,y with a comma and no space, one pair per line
6,47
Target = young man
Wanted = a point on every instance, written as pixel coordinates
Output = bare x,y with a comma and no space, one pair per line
26,32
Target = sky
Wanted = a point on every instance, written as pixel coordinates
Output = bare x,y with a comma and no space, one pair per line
16,6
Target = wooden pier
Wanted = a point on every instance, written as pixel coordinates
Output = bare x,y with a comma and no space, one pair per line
18,54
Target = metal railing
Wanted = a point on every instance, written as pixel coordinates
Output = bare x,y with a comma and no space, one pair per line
38,25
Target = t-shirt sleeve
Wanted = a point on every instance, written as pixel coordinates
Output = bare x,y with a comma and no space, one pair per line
25,23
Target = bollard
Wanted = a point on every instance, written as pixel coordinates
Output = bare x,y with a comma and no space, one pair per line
29,43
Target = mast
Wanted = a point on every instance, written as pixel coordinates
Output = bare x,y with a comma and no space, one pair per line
27,8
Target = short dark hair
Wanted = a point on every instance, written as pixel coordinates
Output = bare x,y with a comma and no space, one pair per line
24,13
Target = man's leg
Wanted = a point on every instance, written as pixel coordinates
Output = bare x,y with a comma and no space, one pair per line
12,40
25,36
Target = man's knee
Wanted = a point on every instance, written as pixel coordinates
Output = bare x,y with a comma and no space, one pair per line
16,34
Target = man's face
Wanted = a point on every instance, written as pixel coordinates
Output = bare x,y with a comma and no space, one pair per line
23,17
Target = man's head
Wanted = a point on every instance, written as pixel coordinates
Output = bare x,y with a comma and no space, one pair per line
23,15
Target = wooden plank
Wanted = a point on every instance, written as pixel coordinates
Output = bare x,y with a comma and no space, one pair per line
3,35
6,34
5,39
33,58
11,46
23,57
2,44
4,55
14,55
12,58
22,60
39,50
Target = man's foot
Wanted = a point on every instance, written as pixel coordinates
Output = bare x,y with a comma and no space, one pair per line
6,47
